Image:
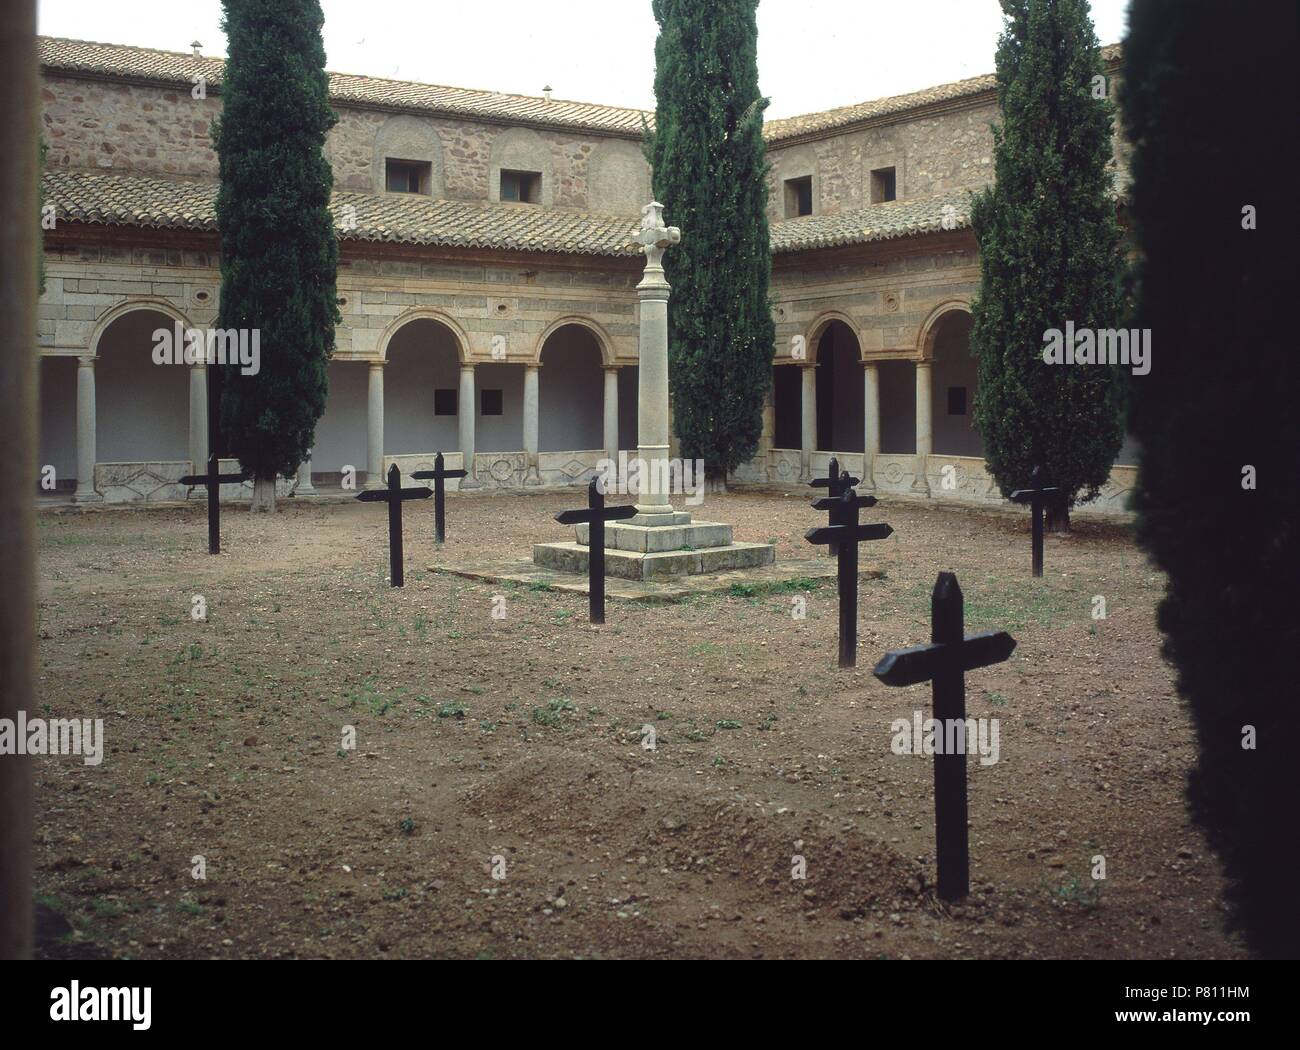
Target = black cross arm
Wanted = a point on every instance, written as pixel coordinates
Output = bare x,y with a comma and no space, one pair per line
589,514
918,664
222,479
825,483
386,496
835,502
425,475
1025,495
847,533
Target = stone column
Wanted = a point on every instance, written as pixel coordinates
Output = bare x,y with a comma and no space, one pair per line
871,404
375,428
305,487
924,433
531,475
198,424
768,440
809,419
653,504
86,432
611,413
466,415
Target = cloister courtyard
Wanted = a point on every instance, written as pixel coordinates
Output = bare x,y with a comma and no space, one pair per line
500,801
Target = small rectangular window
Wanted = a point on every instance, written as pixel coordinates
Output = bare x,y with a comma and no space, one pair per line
524,187
956,401
444,402
492,401
407,176
884,185
798,197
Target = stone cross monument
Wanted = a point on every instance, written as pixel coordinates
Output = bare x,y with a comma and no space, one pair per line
653,504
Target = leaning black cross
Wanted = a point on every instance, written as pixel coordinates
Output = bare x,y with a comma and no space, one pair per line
213,480
835,483
1036,497
943,663
846,533
439,474
596,515
394,495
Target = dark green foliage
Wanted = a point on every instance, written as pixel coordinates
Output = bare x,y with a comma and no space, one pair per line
1209,104
1049,252
278,249
710,175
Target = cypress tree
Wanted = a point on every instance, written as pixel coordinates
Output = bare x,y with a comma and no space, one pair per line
1211,119
710,174
278,250
1049,253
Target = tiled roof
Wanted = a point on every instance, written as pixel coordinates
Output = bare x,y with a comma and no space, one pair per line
121,60
189,204
810,123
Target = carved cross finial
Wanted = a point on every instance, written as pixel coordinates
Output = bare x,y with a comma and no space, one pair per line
654,235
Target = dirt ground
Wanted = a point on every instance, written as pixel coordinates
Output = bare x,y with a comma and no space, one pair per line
513,746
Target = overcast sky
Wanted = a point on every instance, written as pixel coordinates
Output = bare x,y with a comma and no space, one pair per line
812,54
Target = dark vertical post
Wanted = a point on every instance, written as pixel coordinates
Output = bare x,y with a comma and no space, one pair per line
596,552
834,488
949,694
439,501
1037,534
19,227
214,502
848,580
395,526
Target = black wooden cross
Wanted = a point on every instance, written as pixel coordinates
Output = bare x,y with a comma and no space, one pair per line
835,483
944,663
846,533
394,495
214,479
596,514
1036,497
439,474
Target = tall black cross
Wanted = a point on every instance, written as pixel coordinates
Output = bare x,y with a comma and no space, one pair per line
835,483
943,663
1036,497
439,474
596,514
213,480
394,495
846,533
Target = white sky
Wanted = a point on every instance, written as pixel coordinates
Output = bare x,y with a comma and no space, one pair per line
812,54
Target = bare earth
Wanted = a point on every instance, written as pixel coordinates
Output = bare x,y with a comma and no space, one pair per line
520,739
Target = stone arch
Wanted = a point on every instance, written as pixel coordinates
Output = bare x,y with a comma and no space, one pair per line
823,321
837,354
618,179
405,137
521,149
930,327
142,408
422,387
603,341
954,380
570,389
426,314
114,313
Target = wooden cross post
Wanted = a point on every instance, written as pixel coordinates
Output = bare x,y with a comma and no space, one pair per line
846,533
214,479
439,474
1036,497
835,483
943,663
596,515
394,495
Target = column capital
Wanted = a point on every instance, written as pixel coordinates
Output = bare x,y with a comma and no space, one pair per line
85,360
376,366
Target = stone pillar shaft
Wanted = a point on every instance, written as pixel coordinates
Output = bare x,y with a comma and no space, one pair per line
86,432
924,431
652,395
871,403
305,487
611,413
808,444
465,418
531,377
375,427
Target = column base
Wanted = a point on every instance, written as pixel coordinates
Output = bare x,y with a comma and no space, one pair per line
87,497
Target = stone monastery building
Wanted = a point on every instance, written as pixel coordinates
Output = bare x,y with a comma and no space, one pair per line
487,274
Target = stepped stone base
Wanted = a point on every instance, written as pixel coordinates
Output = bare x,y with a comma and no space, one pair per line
654,565
649,539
